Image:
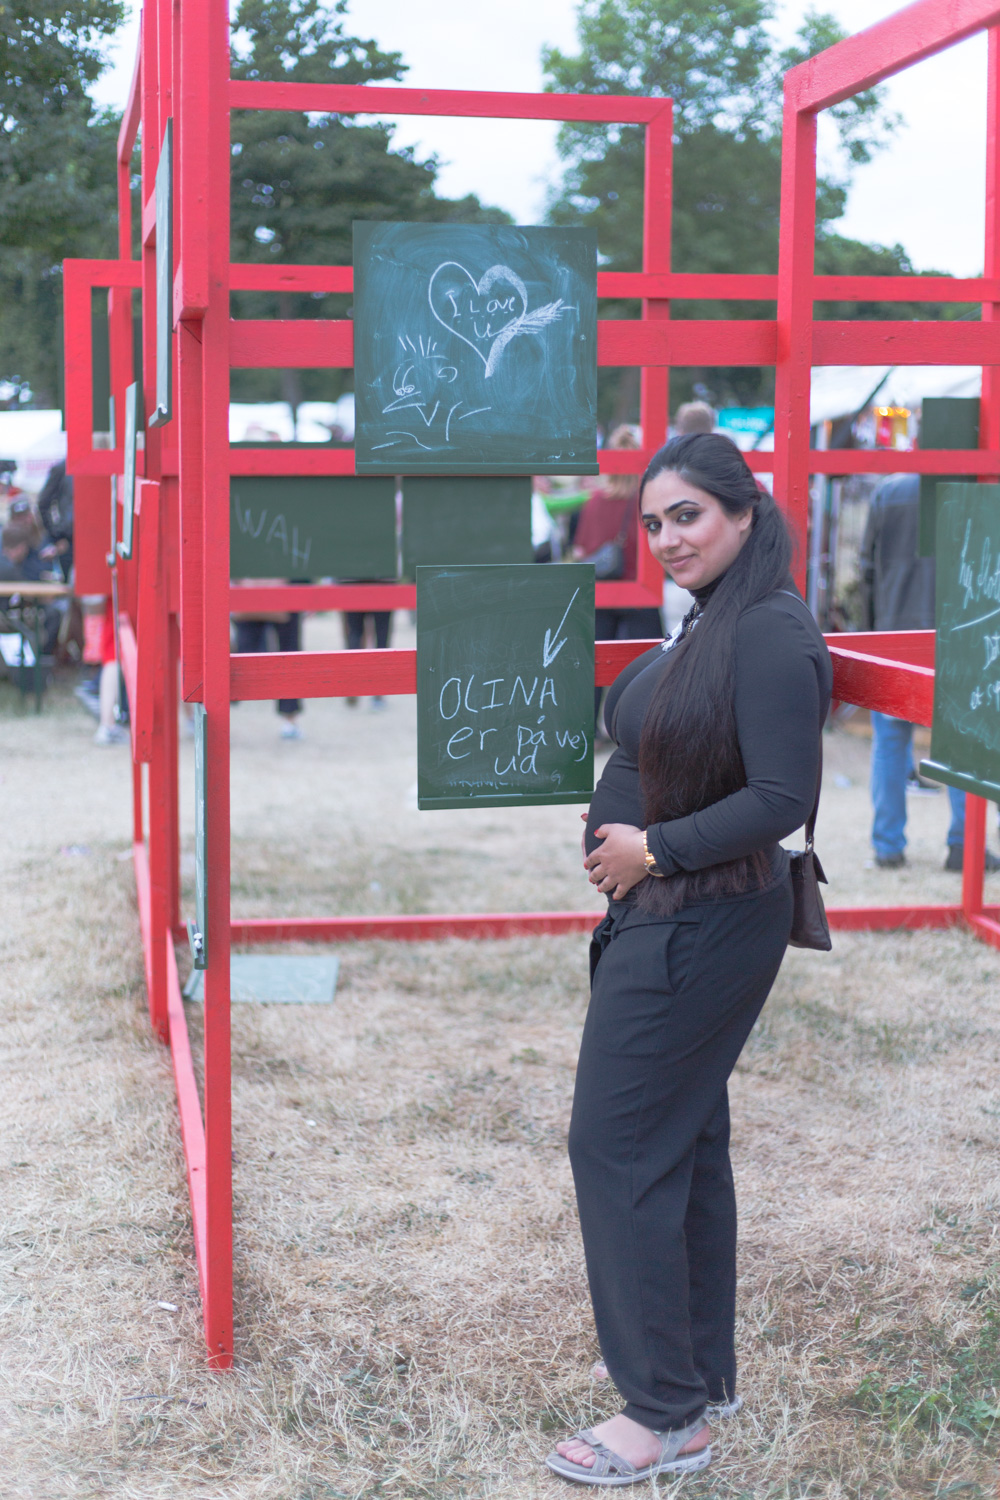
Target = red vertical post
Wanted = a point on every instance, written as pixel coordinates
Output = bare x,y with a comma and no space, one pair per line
191,142
218,1271
657,225
989,430
171,755
793,373
152,618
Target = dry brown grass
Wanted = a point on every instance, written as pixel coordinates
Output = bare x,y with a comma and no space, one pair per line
412,1319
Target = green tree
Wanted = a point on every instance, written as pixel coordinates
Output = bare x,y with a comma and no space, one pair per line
720,63
299,181
57,180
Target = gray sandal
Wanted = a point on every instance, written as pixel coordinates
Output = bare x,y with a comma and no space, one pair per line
610,1468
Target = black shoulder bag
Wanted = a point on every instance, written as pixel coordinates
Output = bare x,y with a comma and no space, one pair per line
810,928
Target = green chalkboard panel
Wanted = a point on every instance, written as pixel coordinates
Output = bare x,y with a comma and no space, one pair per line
945,422
505,685
965,734
474,520
306,527
475,349
164,201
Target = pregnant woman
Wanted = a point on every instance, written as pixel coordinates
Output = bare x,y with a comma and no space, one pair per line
718,756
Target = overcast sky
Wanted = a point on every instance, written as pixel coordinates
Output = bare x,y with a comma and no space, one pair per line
924,191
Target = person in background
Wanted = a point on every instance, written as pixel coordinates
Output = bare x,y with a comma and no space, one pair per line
55,506
22,561
694,416
110,731
253,633
546,542
612,515
359,624
16,544
898,592
41,563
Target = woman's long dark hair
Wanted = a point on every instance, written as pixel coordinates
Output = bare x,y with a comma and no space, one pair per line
689,754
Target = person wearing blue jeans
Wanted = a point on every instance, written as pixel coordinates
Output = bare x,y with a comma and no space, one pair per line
897,589
892,762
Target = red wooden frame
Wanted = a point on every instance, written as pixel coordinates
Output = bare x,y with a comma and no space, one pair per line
174,594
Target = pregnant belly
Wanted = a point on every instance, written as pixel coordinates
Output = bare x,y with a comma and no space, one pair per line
616,799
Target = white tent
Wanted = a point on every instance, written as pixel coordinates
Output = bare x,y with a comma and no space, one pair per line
841,390
36,440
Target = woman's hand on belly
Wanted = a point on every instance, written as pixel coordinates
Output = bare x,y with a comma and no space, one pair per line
619,863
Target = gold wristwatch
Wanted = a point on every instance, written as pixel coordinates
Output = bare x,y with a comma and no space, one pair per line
648,860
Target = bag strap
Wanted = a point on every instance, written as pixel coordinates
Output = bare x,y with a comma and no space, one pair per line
811,820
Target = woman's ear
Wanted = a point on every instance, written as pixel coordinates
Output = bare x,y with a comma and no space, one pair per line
745,521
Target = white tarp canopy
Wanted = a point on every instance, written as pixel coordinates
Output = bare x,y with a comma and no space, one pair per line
841,390
36,440
271,421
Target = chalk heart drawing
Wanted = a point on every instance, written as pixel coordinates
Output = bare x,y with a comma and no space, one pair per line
486,314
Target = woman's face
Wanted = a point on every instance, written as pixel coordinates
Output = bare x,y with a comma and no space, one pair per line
689,533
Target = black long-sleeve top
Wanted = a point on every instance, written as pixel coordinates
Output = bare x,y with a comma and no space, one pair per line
783,684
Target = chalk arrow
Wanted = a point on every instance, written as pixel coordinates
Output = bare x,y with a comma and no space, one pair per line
551,650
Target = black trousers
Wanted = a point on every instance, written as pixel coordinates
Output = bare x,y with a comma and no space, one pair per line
253,635
672,1004
354,627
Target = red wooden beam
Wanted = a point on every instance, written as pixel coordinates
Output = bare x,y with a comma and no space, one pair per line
411,929
890,687
367,99
677,285
322,674
900,343
902,39
244,277
189,1109
888,918
914,647
987,928
320,343
129,128
322,596
903,288
885,461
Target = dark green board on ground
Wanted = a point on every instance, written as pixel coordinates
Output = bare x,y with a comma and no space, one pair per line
945,422
965,734
505,685
306,527
475,349
467,520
